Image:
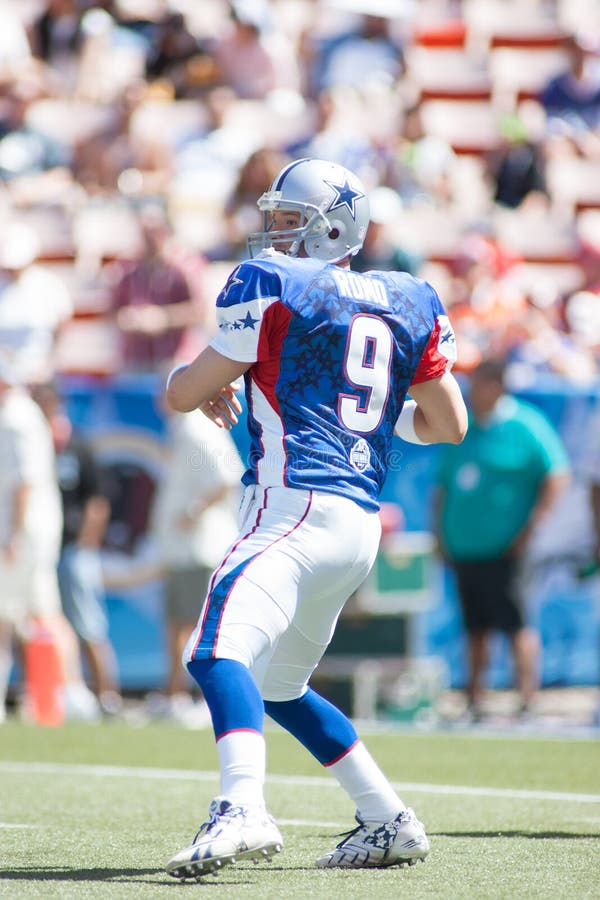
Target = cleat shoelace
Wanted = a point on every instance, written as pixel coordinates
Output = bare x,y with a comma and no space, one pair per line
350,834
223,810
382,838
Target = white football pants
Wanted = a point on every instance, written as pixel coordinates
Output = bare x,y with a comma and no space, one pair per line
274,601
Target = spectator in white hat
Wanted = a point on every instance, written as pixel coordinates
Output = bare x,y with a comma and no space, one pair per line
34,302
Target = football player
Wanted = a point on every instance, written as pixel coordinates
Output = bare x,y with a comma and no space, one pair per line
328,357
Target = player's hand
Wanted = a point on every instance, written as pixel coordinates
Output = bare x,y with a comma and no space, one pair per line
224,408
148,318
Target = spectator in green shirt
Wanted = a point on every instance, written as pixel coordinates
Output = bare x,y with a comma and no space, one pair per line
493,490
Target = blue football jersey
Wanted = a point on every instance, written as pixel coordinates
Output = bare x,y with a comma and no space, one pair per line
333,354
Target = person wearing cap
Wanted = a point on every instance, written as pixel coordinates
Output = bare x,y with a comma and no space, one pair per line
493,492
155,298
252,56
34,303
30,529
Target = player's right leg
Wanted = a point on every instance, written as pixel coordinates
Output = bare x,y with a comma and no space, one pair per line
239,623
239,826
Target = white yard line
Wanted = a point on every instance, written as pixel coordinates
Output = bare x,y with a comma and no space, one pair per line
311,823
40,768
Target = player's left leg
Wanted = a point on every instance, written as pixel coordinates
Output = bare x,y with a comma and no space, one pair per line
388,833
84,605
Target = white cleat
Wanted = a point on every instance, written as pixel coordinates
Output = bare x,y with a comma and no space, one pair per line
232,833
377,844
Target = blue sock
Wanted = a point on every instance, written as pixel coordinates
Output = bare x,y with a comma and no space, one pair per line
319,725
231,693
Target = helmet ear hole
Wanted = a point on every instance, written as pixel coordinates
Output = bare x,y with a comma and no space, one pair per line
334,234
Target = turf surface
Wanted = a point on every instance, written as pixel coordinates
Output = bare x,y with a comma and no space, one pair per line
95,811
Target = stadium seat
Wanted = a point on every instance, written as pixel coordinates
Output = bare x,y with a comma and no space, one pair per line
52,224
469,126
529,38
90,297
509,19
69,121
168,121
547,278
519,71
105,229
430,232
447,73
577,16
536,236
574,183
452,33
88,347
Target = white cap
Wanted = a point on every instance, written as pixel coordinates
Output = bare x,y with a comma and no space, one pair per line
385,205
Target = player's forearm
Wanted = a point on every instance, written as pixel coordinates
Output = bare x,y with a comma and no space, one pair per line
440,414
95,519
202,380
20,504
551,489
552,486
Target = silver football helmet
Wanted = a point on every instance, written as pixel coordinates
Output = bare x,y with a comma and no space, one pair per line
333,207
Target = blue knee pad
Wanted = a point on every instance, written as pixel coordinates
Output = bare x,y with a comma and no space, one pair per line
231,693
319,725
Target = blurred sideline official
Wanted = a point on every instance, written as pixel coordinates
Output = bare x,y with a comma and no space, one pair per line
194,521
494,488
30,529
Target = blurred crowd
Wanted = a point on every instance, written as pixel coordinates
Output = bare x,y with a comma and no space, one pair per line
135,136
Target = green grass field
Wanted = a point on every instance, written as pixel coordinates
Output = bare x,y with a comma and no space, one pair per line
96,810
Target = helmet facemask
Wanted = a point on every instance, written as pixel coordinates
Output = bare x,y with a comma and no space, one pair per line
289,241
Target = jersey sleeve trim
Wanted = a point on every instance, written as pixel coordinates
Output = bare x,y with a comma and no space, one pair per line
440,352
240,327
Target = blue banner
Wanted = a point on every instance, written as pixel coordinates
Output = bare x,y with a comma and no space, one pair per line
124,420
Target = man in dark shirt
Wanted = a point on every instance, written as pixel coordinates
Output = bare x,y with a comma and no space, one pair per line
154,298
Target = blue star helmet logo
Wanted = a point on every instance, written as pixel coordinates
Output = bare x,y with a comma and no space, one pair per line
345,195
